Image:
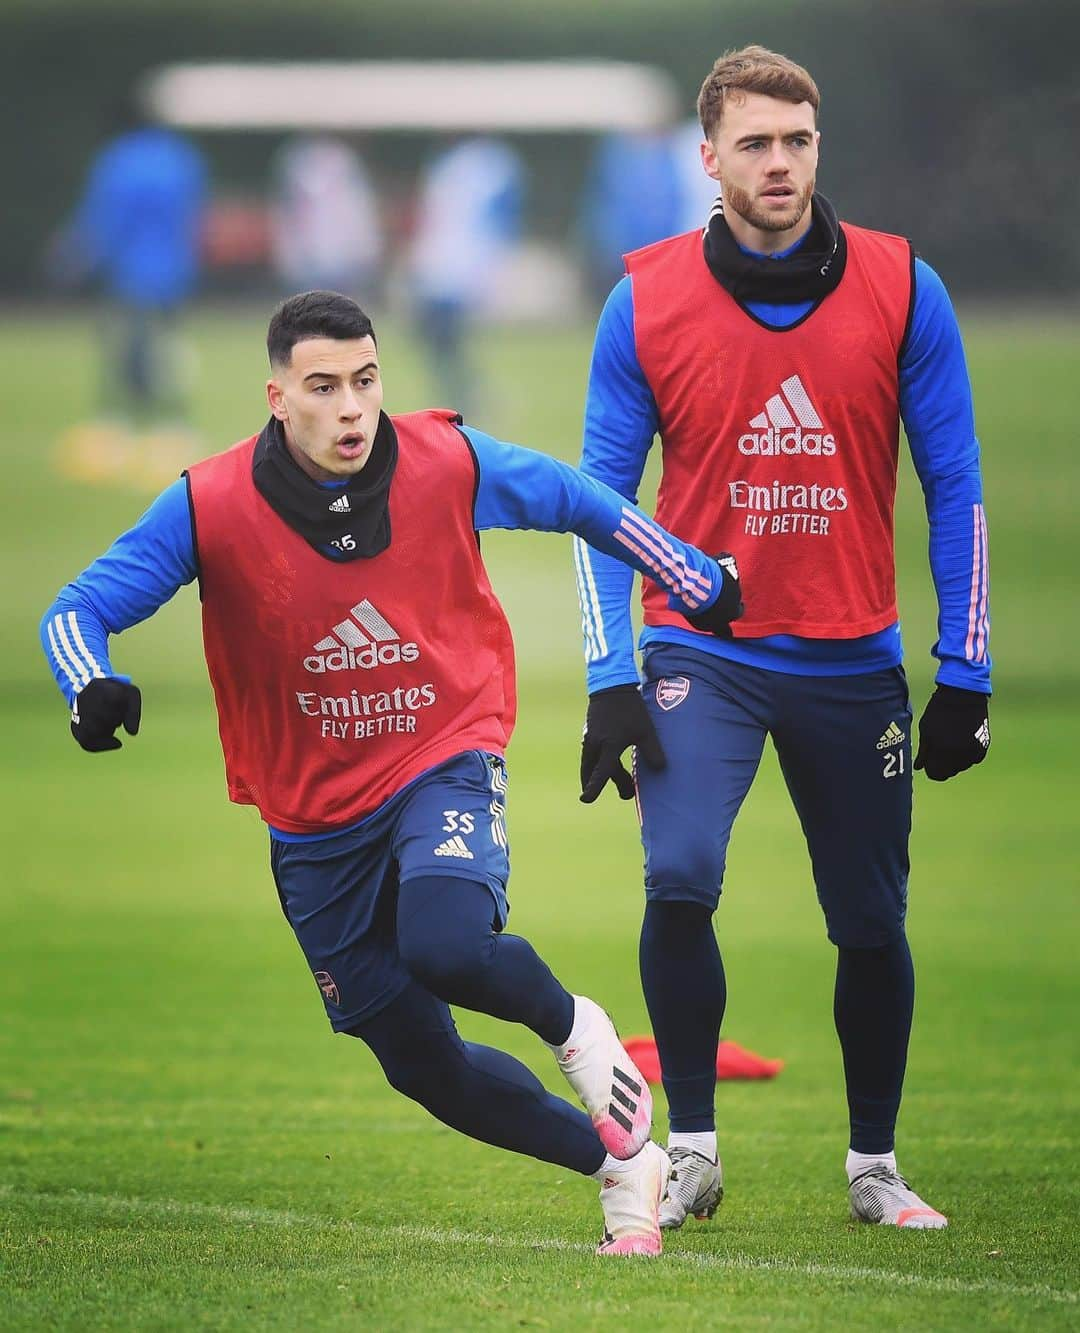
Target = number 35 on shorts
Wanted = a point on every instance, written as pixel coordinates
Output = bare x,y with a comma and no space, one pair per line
458,821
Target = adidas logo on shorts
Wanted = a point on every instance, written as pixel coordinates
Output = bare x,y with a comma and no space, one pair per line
454,846
892,735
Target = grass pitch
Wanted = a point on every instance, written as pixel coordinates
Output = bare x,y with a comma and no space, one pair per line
184,1144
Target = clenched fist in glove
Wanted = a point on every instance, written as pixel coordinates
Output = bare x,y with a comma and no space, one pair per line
954,732
617,718
100,708
727,607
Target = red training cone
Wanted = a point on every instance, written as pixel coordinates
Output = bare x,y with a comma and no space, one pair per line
732,1060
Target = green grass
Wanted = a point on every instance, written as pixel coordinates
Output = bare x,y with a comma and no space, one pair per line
184,1144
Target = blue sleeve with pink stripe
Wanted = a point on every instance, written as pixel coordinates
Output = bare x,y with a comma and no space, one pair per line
621,420
139,572
936,406
521,488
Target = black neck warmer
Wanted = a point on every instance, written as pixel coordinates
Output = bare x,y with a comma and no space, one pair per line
350,523
809,274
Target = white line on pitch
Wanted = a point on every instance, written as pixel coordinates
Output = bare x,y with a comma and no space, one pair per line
450,1236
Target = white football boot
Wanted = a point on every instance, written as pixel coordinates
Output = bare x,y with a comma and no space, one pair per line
883,1197
608,1082
631,1204
695,1188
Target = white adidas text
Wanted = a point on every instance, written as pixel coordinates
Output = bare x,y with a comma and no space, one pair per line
365,658
788,424
796,441
454,847
364,639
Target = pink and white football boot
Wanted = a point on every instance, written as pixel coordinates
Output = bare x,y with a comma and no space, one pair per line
630,1199
607,1081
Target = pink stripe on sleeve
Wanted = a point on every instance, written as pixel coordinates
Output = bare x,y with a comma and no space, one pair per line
984,627
969,645
661,574
664,551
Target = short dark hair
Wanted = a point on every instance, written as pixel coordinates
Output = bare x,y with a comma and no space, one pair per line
753,69
314,315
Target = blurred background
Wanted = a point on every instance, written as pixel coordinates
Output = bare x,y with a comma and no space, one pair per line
167,180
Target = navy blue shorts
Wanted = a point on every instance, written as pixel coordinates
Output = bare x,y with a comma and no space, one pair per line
844,745
339,894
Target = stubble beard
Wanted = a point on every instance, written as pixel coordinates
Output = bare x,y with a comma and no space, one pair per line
739,201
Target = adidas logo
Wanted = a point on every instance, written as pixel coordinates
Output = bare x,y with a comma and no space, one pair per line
340,505
789,424
892,735
454,846
983,735
366,640
626,1096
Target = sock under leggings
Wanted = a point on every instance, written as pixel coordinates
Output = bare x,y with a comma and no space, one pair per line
446,942
683,978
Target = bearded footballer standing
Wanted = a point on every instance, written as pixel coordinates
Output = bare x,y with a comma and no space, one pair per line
363,673
775,354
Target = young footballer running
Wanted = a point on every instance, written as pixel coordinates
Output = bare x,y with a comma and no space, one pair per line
363,672
775,353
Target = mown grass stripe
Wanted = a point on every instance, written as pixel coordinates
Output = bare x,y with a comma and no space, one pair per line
748,1263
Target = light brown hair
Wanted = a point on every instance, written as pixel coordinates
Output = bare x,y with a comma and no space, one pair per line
753,69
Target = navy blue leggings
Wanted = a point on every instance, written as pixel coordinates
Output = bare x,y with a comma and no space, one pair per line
446,941
683,979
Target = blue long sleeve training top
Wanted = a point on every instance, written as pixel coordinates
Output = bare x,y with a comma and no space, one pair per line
516,488
621,420
139,220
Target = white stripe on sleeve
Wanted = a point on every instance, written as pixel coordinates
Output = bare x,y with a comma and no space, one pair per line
80,643
78,666
595,640
76,684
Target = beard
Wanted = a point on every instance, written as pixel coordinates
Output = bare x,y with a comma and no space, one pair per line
766,219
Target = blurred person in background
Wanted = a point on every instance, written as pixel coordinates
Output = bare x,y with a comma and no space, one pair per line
325,226
136,234
631,199
776,353
468,223
364,677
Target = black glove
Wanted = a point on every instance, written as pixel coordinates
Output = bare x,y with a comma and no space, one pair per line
727,607
100,708
954,732
617,718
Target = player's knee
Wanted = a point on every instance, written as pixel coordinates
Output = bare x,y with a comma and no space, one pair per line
410,1075
866,932
415,1065
446,961
691,870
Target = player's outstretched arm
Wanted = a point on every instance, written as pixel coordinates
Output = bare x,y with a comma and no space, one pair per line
519,488
139,573
935,402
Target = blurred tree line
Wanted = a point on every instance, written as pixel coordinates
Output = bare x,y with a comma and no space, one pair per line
954,123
